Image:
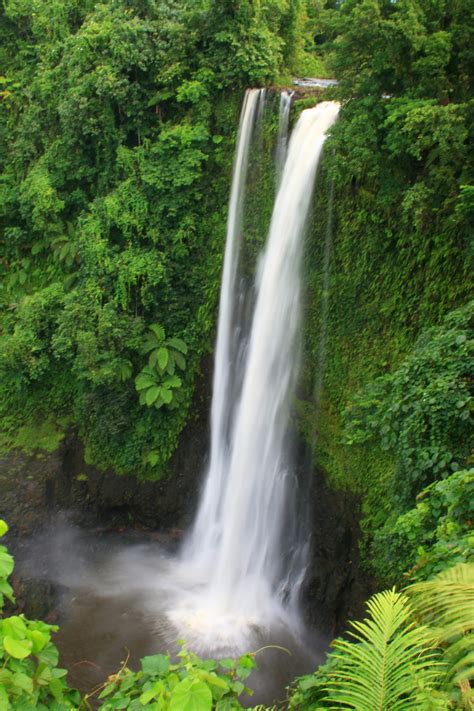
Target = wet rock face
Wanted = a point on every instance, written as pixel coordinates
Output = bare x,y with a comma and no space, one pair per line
25,486
336,587
35,488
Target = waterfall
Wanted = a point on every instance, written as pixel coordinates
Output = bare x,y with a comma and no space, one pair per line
283,123
207,527
244,562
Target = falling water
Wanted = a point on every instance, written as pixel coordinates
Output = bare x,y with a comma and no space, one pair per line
243,564
283,124
207,527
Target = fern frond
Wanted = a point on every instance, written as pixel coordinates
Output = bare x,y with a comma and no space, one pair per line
390,660
446,603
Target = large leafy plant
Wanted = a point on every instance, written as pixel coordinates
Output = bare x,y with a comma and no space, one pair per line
157,382
29,675
436,533
190,684
413,651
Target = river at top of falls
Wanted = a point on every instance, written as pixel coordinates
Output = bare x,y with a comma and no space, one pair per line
242,566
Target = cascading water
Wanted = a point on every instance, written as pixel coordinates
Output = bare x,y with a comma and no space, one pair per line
283,124
207,530
243,563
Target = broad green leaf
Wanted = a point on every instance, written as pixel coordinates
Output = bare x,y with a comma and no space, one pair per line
153,458
179,360
17,648
37,247
191,695
23,681
39,639
143,381
173,381
49,655
14,627
5,676
43,675
158,331
162,358
166,395
56,687
178,344
156,664
152,394
3,527
107,690
4,702
6,563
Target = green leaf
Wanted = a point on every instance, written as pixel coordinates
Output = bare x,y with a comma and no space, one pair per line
191,695
6,589
172,382
4,702
158,331
162,357
43,675
179,360
49,655
14,627
23,681
17,648
178,344
3,527
166,396
144,381
39,639
37,248
152,394
156,664
6,563
153,458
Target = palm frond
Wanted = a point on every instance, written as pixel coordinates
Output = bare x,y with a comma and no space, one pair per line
391,660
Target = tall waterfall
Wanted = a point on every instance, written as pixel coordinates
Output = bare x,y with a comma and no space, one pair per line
207,527
244,559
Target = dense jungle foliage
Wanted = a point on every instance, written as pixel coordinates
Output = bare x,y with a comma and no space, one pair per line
393,421
115,120
117,131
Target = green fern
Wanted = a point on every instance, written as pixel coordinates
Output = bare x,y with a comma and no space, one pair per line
392,664
446,604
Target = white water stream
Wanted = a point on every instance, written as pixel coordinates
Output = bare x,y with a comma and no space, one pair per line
283,124
243,564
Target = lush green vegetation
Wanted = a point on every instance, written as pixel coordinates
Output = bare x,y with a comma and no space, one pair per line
115,121
414,651
396,413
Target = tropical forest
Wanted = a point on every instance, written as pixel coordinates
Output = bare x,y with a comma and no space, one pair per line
236,355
